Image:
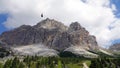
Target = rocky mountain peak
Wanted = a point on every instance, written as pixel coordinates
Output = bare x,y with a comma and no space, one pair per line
50,33
75,26
50,24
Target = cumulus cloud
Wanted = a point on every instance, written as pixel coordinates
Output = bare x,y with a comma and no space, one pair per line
95,15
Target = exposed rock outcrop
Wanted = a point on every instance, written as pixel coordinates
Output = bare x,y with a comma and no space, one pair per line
115,47
51,33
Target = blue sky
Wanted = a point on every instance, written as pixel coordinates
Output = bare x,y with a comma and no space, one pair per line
117,3
117,13
99,17
3,18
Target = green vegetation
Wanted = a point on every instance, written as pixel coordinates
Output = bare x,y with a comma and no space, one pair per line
44,62
68,54
88,62
1,65
105,63
60,62
66,60
3,52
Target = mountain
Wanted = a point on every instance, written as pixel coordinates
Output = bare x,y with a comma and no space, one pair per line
52,35
115,47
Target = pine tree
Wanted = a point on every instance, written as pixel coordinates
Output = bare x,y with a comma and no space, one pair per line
38,64
7,64
33,65
15,63
21,65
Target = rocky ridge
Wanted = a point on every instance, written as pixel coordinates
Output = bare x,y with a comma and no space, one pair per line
115,47
50,33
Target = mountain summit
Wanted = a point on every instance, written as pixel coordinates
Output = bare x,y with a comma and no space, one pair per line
50,33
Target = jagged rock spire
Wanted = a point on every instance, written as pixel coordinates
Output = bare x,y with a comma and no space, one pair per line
75,26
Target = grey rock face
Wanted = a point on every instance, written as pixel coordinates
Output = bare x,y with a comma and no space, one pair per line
75,26
80,36
115,47
50,24
18,36
62,41
51,33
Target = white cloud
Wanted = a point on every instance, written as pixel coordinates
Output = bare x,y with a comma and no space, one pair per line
95,15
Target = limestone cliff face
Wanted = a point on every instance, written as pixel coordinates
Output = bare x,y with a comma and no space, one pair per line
51,33
115,47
